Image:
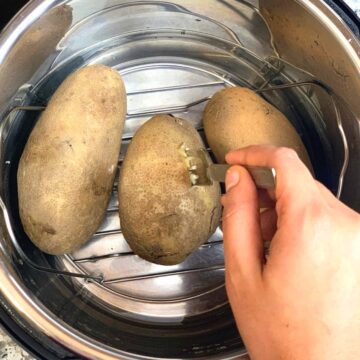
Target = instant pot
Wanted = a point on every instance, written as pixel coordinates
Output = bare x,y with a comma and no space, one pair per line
103,302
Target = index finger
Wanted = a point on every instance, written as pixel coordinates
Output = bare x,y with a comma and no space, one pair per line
294,181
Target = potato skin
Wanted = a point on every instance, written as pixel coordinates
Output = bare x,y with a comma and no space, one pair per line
237,117
66,172
163,217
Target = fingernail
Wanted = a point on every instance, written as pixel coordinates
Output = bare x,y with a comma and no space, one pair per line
232,178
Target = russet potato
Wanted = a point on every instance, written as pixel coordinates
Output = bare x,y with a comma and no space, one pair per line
163,217
238,117
66,172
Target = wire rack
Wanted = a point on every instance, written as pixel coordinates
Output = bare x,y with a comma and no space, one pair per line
111,226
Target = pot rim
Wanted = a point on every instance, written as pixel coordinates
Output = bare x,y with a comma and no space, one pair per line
10,285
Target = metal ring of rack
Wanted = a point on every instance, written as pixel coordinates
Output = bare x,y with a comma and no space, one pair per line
185,107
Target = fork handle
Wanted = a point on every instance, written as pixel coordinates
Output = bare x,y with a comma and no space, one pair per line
264,177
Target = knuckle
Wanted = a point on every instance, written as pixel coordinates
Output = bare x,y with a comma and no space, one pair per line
317,209
237,286
282,154
229,286
313,212
233,207
231,280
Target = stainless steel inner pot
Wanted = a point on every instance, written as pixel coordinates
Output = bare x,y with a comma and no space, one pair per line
172,56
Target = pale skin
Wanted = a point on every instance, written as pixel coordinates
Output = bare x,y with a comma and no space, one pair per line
302,301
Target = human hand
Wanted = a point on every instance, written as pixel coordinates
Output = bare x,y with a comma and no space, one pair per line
303,301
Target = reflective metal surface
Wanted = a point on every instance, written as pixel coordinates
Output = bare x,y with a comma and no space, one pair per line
317,40
35,44
170,55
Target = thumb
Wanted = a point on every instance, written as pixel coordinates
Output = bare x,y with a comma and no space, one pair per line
243,244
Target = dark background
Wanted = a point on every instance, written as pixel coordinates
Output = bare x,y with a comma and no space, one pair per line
9,9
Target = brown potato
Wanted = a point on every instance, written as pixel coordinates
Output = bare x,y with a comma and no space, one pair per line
67,169
238,117
163,217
